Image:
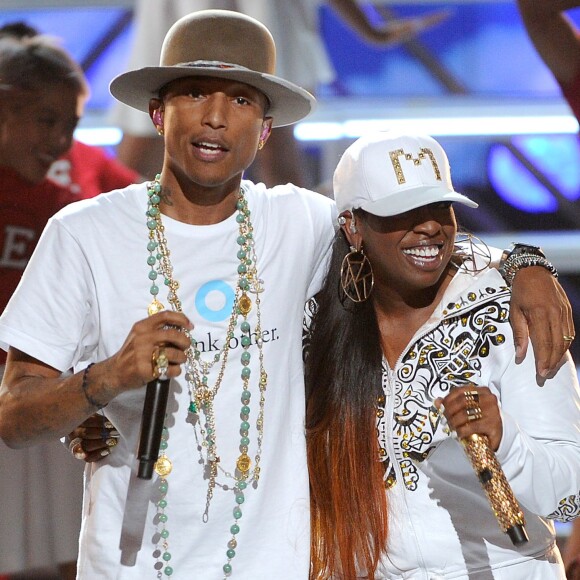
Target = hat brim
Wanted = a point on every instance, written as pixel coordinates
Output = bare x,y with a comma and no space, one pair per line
412,199
289,103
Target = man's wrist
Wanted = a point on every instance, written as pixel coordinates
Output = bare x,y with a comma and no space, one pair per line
522,256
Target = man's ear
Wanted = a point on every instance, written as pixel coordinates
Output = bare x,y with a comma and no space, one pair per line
266,129
156,113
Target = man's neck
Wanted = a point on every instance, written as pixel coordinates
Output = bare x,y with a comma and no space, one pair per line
198,205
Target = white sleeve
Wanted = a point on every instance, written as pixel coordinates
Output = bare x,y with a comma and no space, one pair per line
52,315
323,223
540,447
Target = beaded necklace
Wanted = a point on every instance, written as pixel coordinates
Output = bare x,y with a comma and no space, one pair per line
201,407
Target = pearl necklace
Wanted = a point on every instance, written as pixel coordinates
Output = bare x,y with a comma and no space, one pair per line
201,408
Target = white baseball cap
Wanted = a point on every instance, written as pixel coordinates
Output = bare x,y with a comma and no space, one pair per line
389,173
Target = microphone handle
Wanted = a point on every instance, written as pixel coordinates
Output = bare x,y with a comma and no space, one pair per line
152,422
497,488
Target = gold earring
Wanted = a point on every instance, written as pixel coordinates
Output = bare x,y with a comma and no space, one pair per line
471,254
356,275
261,143
159,130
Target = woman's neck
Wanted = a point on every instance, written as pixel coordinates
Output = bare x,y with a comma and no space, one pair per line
400,314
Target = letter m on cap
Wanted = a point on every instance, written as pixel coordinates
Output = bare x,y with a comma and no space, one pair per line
424,153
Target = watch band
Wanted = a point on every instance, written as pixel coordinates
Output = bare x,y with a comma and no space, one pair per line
523,256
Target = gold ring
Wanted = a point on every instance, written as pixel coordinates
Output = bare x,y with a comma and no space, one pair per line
74,442
568,338
472,398
473,413
160,364
78,451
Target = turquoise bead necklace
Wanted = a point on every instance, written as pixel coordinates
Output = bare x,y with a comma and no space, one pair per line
202,395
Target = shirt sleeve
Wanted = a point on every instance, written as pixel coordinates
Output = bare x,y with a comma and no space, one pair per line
540,447
323,217
52,315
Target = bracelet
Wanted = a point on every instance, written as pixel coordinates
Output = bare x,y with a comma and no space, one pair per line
85,387
511,265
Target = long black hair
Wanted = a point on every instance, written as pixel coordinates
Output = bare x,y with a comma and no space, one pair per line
343,382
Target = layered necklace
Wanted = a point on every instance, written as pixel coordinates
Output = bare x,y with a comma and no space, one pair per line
202,393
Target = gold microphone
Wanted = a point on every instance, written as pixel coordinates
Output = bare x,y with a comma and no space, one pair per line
491,476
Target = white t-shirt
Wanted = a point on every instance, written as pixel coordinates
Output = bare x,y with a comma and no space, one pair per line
84,288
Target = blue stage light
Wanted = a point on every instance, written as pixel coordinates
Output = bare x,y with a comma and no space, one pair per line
556,158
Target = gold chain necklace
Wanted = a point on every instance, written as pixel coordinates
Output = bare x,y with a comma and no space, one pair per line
202,395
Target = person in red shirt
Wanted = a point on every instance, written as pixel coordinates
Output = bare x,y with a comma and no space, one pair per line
42,92
85,170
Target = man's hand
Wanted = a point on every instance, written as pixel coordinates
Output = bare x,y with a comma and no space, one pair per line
541,310
93,439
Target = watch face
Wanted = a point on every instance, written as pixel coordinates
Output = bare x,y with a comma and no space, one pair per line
527,249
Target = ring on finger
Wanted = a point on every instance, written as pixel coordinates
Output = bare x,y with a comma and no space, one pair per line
160,364
568,337
78,451
471,398
73,443
473,413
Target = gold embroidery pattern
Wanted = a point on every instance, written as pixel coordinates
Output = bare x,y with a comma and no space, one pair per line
429,369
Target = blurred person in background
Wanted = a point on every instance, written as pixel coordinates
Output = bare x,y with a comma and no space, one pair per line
85,170
557,41
301,58
43,94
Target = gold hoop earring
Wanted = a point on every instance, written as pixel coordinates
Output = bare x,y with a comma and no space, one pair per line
471,254
261,143
356,276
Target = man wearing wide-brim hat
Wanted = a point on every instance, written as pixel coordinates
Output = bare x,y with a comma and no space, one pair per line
196,280
199,277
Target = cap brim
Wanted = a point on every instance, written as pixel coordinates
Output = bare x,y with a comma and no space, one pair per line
412,199
289,103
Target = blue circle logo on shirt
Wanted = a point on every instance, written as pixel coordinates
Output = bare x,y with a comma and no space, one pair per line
215,300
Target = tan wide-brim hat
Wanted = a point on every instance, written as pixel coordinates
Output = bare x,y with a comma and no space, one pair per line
223,44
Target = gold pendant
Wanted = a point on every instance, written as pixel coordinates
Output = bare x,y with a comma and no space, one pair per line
163,466
245,304
243,463
155,307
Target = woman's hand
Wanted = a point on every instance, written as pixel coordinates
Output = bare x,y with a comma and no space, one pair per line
541,309
93,439
473,410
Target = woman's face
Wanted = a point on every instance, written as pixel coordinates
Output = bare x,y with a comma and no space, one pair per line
410,251
37,129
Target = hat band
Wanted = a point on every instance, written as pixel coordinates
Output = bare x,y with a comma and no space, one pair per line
213,64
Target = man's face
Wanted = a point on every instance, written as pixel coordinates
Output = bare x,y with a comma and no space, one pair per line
37,129
212,128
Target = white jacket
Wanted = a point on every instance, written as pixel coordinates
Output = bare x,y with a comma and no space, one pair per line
441,524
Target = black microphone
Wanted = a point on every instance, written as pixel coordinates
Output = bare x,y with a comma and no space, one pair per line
152,422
